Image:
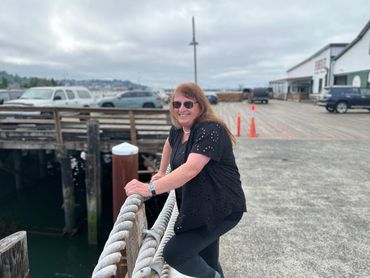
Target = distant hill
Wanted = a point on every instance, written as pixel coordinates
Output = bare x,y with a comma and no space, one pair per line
102,84
15,81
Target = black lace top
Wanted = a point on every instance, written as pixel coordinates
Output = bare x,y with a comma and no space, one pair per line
216,192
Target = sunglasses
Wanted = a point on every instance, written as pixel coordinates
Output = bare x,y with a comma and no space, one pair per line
187,104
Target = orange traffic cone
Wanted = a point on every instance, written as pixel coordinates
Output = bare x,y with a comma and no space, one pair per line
238,125
252,129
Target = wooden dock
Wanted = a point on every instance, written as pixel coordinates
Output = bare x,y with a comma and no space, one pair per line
46,128
91,130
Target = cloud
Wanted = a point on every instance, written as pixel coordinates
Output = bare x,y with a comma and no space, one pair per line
240,42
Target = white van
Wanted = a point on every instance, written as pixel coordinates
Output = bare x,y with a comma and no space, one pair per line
54,97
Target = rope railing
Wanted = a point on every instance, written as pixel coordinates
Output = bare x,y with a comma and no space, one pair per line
168,234
149,262
111,254
145,263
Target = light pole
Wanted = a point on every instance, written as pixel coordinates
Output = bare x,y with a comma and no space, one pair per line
194,43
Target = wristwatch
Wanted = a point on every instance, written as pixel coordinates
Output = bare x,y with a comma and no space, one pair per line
151,188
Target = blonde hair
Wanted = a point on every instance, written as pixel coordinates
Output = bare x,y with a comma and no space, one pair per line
193,91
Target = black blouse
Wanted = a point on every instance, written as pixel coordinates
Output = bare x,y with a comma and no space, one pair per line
216,192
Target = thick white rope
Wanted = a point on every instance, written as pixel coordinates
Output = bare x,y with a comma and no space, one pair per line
168,234
144,264
111,254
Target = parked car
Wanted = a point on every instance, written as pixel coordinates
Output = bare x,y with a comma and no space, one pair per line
6,95
212,97
133,99
164,96
245,94
341,98
54,96
259,95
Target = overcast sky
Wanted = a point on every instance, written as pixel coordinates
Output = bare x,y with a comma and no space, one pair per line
241,42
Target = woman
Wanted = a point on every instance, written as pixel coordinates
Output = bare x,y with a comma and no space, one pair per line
209,195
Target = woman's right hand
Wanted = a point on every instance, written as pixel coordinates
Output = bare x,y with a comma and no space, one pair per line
157,176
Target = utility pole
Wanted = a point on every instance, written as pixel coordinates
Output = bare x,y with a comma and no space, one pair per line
194,43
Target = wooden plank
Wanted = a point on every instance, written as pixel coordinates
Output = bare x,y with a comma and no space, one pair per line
14,256
135,239
58,132
133,128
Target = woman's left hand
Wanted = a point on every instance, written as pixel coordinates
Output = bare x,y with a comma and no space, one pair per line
137,187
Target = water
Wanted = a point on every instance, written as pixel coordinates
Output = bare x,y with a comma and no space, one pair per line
37,209
55,256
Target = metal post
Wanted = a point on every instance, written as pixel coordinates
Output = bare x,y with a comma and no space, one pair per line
194,43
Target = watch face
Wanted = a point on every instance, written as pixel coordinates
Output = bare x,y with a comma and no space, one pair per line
152,188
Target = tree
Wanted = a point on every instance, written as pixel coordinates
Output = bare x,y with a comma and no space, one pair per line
4,83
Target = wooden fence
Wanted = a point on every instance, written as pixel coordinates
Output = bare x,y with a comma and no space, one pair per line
44,128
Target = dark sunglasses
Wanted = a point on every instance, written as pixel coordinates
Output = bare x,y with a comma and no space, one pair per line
187,104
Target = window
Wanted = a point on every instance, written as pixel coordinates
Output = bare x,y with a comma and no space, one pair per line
83,94
365,91
60,94
70,94
320,85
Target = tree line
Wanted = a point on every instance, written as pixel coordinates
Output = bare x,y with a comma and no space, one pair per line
8,81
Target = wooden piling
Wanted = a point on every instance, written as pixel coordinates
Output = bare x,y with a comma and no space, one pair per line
42,163
68,188
14,256
125,166
17,158
93,181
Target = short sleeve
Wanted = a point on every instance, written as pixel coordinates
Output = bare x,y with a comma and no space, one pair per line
209,140
172,136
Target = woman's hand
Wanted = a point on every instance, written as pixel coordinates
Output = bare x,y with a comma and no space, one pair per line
157,176
137,187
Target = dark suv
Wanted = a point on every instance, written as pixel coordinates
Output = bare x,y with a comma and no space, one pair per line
259,95
341,98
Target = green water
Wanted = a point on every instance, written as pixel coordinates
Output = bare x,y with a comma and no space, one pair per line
52,256
37,209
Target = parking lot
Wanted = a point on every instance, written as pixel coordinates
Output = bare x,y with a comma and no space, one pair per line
307,182
291,120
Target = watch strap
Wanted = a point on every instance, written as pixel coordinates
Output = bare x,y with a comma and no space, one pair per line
151,188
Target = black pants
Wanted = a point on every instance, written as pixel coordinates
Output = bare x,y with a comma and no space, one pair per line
195,253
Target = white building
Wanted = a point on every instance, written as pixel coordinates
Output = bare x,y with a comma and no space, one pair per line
352,65
334,64
310,76
313,74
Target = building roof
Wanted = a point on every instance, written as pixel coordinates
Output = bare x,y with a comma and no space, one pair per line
319,52
359,37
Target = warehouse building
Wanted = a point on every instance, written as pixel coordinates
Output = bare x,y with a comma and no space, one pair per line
352,65
334,64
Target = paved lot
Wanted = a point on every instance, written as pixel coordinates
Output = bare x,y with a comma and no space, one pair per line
308,196
291,120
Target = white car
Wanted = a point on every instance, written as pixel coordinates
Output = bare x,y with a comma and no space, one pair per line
54,97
